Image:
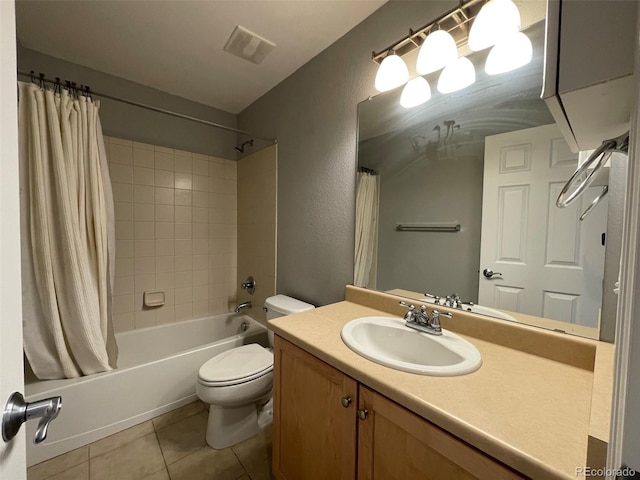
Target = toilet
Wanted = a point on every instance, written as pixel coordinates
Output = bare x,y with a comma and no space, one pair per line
238,383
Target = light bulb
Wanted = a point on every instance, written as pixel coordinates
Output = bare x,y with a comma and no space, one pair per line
511,52
392,73
415,93
438,50
496,19
456,76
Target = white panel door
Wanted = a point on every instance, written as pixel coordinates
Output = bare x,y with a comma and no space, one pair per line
552,264
12,454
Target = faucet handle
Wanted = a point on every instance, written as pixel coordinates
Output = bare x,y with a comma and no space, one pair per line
405,304
435,319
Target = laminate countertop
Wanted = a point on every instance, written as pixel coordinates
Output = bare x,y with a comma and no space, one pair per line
528,406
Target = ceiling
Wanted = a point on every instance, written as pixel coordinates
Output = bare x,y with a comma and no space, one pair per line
176,46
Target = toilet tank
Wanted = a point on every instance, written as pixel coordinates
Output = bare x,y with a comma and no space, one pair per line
281,305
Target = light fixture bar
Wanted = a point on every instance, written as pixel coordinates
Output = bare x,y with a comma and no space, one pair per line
454,21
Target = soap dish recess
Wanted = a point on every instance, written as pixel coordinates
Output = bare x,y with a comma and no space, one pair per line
154,299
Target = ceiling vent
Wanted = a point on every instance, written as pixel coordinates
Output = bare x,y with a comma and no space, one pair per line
245,44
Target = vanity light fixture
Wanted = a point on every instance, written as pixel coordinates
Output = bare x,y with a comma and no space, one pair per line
456,76
511,52
392,73
497,19
415,93
438,50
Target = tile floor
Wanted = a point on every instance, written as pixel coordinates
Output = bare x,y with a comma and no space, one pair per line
169,447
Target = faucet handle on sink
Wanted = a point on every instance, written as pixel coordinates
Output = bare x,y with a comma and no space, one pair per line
408,317
435,318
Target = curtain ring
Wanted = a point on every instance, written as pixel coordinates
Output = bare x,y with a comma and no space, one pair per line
41,80
57,88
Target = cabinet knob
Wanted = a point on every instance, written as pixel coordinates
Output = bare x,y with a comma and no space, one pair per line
362,414
346,401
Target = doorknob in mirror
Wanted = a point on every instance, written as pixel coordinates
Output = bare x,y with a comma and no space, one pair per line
17,411
488,273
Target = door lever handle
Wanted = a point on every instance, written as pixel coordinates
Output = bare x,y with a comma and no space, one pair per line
488,273
18,411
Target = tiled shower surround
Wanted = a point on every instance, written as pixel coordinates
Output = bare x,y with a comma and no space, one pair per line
176,230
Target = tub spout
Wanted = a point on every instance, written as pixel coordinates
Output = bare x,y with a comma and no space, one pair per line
243,305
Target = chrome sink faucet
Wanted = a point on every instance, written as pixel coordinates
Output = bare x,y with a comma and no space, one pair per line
420,320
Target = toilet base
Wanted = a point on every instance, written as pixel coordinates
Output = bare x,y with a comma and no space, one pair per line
228,426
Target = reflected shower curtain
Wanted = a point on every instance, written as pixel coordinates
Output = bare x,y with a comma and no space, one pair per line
367,194
68,244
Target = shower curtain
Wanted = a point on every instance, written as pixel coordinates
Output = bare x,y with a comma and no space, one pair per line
367,195
68,239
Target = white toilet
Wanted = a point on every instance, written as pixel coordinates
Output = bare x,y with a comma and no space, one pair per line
237,384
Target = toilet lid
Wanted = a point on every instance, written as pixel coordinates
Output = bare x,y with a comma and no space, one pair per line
237,365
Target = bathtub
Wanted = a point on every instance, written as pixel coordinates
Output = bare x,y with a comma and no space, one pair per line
157,372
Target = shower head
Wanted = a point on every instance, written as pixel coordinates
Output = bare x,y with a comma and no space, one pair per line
240,146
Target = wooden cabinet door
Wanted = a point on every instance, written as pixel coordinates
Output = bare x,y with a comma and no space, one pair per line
314,435
395,444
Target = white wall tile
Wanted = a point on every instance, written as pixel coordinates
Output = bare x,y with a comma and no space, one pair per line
200,277
200,309
200,214
183,279
143,146
200,165
183,230
184,295
200,293
200,199
143,157
124,267
200,183
164,264
165,314
123,304
165,247
143,212
122,192
123,286
146,318
183,214
164,213
184,312
145,266
143,194
120,173
183,181
183,247
184,197
163,160
123,211
124,248
164,230
145,230
120,154
165,281
123,322
144,283
124,230
182,164
144,176
164,178
145,248
183,263
164,196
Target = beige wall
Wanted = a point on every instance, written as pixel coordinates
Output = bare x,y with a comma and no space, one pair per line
257,226
176,230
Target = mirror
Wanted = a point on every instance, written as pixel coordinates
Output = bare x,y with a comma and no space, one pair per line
467,182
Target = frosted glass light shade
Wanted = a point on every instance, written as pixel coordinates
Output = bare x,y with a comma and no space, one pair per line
456,76
513,51
415,93
496,19
392,73
438,50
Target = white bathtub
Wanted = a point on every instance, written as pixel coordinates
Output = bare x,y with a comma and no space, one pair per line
157,372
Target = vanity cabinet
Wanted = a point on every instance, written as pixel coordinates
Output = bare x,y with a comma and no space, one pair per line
316,431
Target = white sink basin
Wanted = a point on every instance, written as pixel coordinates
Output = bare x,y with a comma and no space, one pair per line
492,312
387,341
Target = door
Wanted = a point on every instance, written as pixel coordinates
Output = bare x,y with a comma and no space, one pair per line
396,444
314,417
551,263
12,454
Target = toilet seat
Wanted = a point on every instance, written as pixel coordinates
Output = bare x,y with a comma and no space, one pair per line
236,366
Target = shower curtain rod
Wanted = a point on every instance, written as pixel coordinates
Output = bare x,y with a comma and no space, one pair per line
44,79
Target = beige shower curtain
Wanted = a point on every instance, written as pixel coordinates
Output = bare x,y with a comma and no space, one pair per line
68,244
367,199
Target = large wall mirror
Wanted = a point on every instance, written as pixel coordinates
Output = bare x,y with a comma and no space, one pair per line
467,182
